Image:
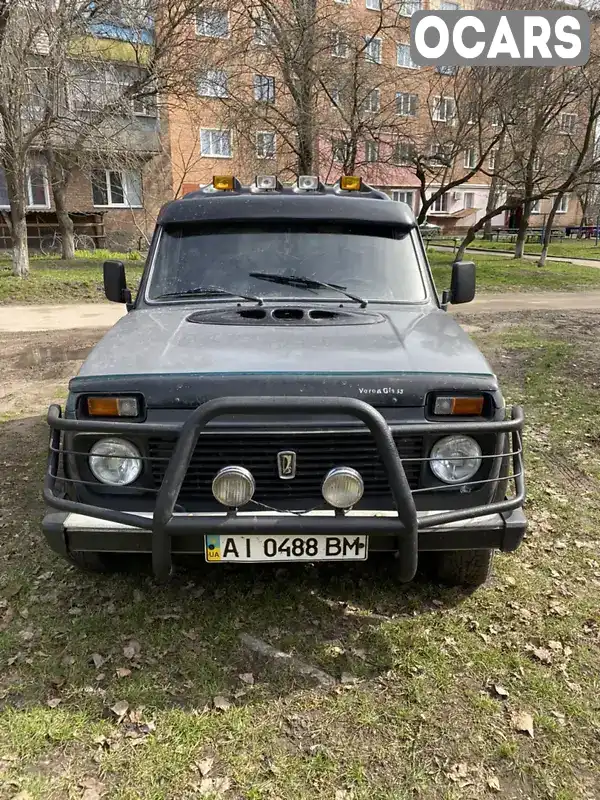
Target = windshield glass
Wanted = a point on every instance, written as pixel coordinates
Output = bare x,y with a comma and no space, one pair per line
375,263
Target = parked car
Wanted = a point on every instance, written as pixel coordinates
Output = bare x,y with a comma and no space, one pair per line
287,386
428,229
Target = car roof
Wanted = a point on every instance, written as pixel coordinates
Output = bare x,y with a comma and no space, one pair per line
286,204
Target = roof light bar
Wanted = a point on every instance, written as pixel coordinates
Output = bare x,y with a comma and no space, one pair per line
308,183
351,183
223,183
266,182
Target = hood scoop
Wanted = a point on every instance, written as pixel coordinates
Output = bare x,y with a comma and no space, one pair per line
283,315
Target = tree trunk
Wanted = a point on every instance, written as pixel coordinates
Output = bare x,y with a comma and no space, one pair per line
548,230
59,177
491,205
15,184
523,226
469,237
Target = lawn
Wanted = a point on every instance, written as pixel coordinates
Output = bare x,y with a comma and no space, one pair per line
568,248
116,688
80,281
495,274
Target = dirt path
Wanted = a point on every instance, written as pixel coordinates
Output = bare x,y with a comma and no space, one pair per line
580,262
28,319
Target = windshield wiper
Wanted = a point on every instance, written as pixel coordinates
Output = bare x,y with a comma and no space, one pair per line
306,283
207,291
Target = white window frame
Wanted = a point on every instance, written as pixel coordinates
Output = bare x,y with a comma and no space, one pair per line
29,190
124,184
342,2
408,7
336,97
439,203
336,146
216,155
492,160
536,207
340,44
411,64
401,196
408,103
371,144
440,101
269,82
373,5
470,163
262,154
468,194
200,29
373,58
572,123
208,86
563,208
403,162
374,94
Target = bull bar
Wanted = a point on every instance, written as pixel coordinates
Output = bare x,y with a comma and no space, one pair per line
165,522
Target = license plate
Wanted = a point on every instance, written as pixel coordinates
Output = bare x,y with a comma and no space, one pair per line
286,548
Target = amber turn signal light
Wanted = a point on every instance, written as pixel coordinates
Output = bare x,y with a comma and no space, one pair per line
459,406
351,183
223,183
112,407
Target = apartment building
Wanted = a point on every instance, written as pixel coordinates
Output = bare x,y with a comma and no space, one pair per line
204,138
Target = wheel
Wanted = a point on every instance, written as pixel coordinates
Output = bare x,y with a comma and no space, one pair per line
464,567
50,245
85,242
93,562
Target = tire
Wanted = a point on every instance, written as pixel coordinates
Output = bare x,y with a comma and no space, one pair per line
50,245
93,562
85,243
468,568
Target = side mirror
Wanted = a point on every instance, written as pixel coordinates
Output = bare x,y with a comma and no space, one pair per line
462,285
115,283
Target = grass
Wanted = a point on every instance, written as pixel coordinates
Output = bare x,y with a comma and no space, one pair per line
80,281
422,718
568,248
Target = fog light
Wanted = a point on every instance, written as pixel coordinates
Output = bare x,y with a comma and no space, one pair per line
455,459
115,462
233,486
309,183
343,487
266,182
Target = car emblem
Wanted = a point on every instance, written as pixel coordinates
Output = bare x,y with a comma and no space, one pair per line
286,464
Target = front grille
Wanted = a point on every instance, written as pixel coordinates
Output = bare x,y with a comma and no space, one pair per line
317,453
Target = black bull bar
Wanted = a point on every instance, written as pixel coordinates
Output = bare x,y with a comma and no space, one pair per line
164,523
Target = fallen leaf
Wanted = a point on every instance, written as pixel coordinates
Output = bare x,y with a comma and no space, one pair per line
120,708
67,661
24,795
132,649
191,635
221,703
247,677
500,690
347,678
122,672
98,660
523,722
137,596
92,789
458,771
342,794
560,718
543,655
54,702
493,783
214,785
205,766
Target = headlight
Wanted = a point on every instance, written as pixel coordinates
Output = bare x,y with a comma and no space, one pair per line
455,459
343,487
116,462
233,486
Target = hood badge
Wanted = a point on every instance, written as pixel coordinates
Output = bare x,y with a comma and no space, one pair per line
286,464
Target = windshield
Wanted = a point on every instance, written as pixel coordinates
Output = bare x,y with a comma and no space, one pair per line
377,264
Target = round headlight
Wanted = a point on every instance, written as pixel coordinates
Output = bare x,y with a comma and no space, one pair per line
455,459
116,462
343,487
233,486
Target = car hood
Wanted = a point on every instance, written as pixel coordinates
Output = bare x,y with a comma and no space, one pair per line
407,346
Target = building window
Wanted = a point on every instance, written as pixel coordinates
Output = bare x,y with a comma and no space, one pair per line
469,200
470,158
563,205
535,207
263,31
36,186
264,88
446,5
440,205
117,188
339,150
373,49
403,58
215,143
4,202
212,22
492,160
93,89
443,109
213,84
336,97
374,5
406,104
265,144
404,153
439,156
404,197
446,70
371,103
568,123
371,151
339,44
536,163
408,7
342,2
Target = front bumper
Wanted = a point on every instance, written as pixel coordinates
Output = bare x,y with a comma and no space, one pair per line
82,526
